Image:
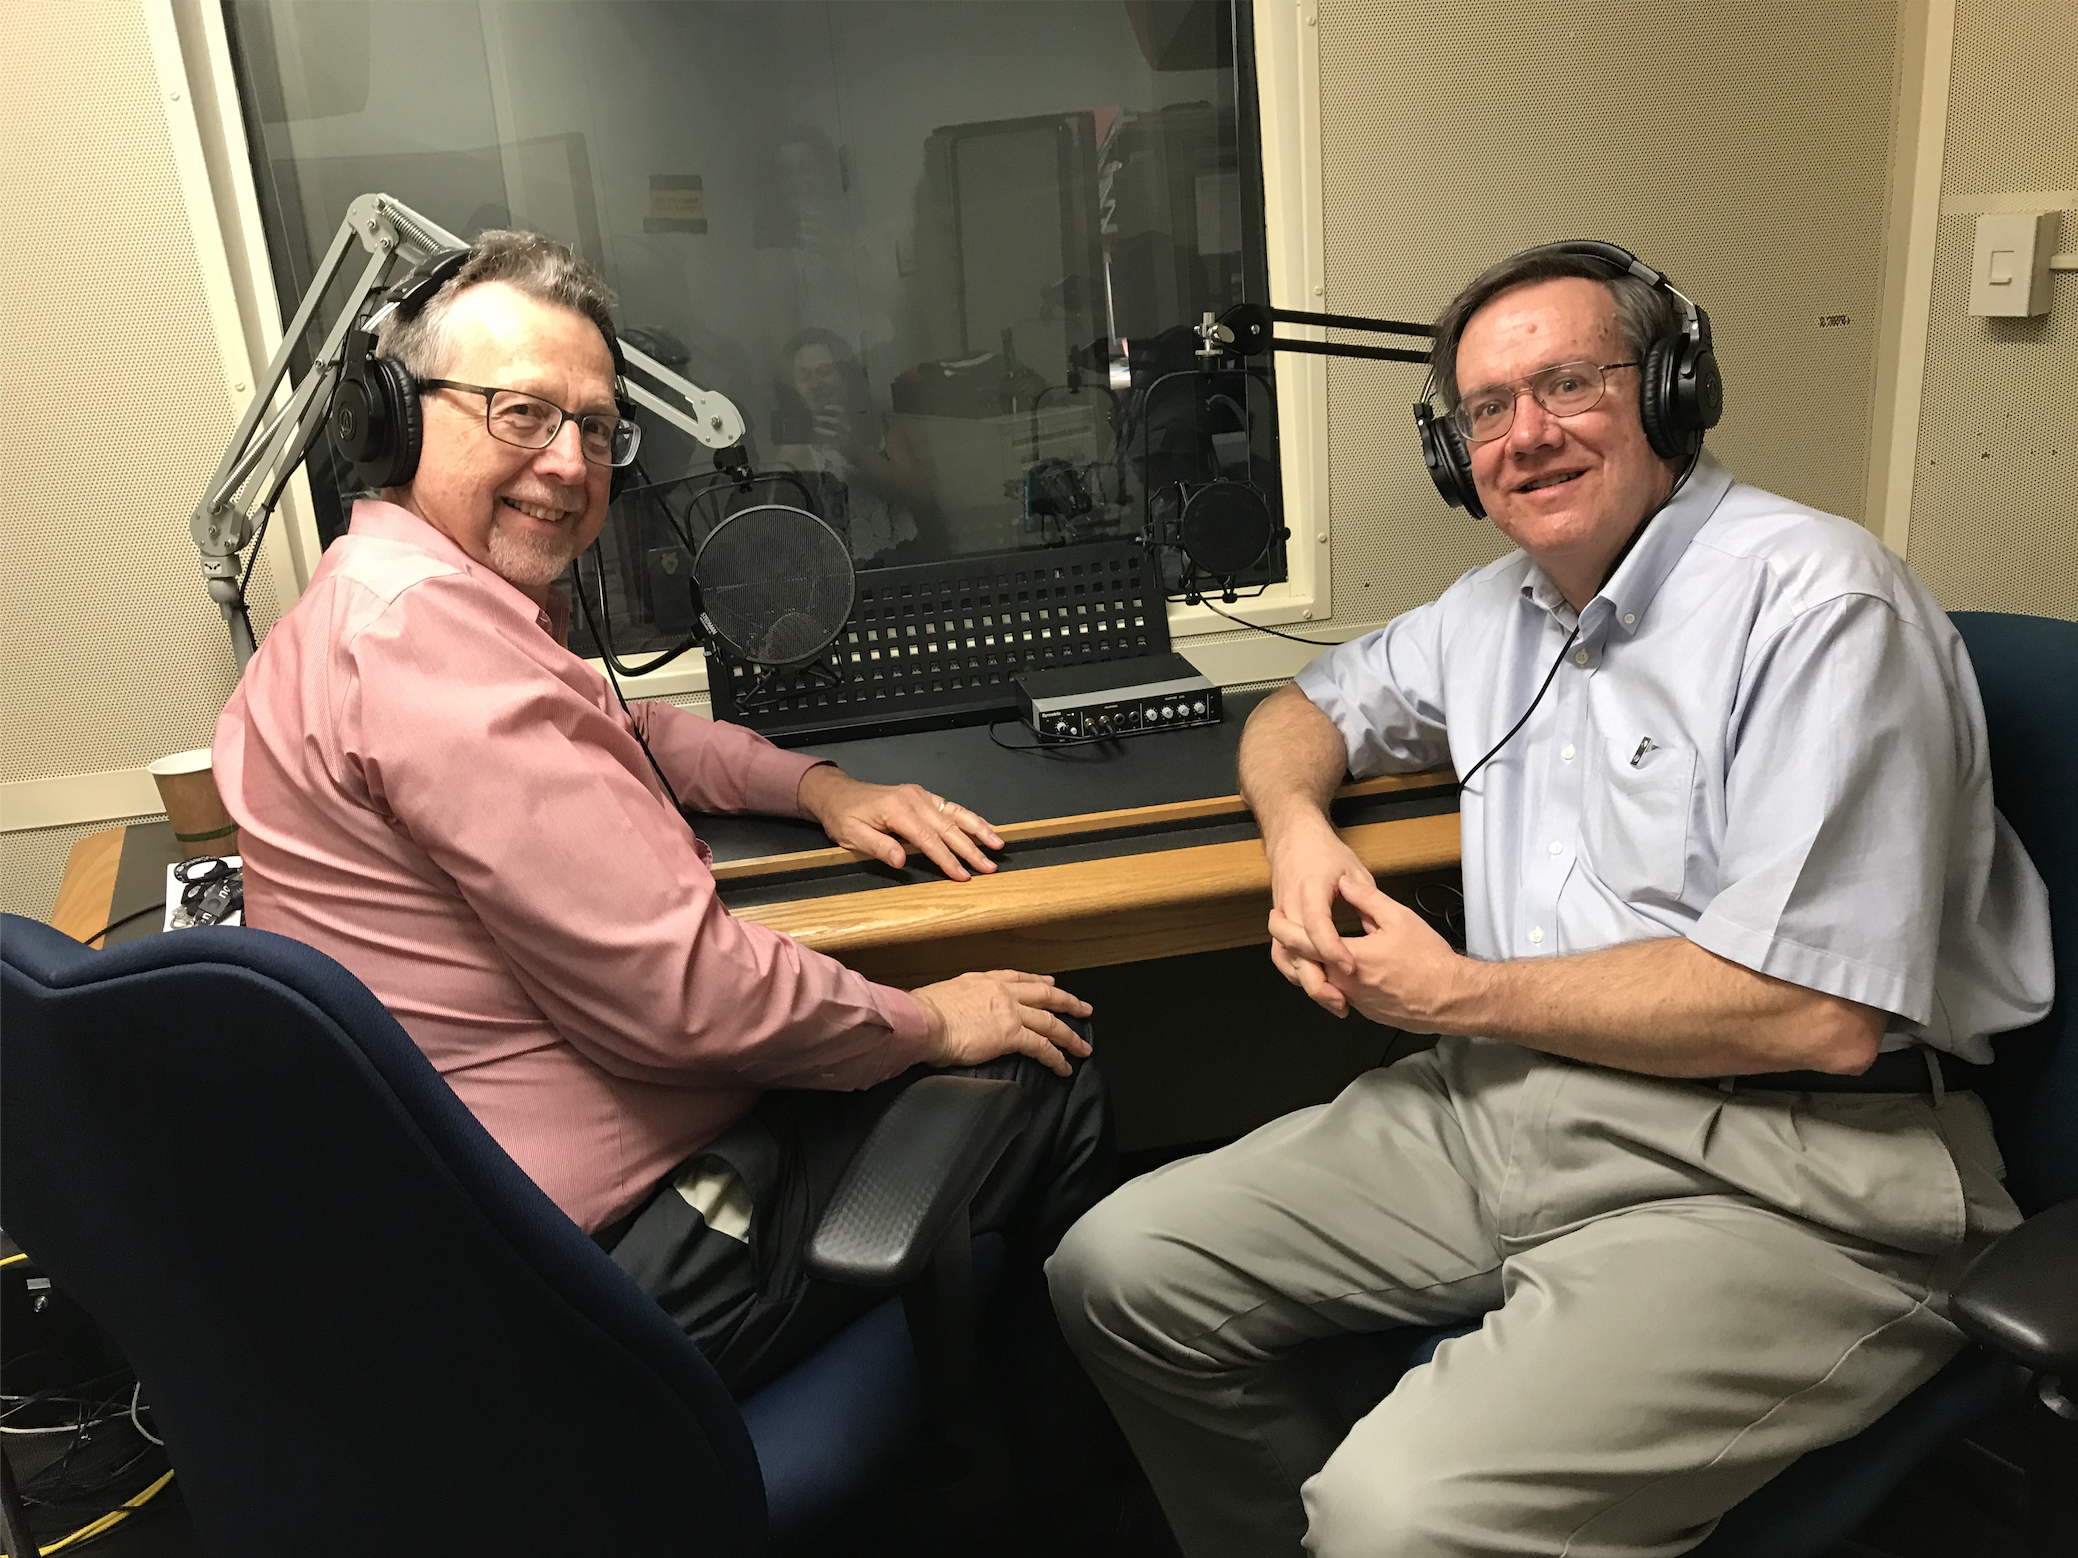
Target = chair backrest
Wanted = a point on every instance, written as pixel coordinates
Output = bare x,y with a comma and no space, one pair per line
2027,674
361,1327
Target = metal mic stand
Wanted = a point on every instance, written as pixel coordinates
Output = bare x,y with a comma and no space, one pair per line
255,469
1225,340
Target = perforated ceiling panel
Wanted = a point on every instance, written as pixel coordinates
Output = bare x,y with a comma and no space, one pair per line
113,407
1742,149
1995,494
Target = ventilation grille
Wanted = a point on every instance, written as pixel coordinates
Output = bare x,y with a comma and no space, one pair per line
936,644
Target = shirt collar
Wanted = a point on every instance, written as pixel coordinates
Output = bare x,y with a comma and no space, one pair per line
386,521
1652,556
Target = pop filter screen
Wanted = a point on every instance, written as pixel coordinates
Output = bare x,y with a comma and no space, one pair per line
1226,528
776,584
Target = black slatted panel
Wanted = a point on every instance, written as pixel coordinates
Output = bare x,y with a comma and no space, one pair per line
935,644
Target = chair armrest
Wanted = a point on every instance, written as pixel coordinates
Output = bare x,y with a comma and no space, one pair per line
909,1185
2020,1297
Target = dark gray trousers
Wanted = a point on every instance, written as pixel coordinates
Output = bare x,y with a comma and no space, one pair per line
748,1304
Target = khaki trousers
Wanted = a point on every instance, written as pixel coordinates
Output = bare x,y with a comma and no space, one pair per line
1689,1289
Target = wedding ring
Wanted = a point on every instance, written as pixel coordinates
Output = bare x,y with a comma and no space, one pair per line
943,803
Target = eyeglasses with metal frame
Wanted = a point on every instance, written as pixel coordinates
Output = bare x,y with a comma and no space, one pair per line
529,422
1565,389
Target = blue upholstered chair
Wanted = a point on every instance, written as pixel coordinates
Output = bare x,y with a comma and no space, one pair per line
2018,1301
362,1328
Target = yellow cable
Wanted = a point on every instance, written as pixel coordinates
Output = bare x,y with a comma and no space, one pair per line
9,1260
114,1517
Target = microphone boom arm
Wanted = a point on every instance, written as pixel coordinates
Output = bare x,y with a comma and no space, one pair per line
1245,329
261,459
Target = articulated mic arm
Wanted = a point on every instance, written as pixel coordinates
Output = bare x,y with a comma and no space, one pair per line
1245,329
257,466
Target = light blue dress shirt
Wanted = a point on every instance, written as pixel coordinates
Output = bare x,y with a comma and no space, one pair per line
1766,738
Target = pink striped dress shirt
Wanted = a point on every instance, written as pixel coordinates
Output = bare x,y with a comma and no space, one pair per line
432,789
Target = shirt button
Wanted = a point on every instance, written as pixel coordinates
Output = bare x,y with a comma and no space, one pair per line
1567,754
1537,934
1630,619
1580,657
1557,848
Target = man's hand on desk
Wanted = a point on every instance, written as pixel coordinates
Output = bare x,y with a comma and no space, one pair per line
977,1017
877,819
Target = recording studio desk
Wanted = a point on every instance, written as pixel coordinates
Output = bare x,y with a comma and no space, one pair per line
1134,850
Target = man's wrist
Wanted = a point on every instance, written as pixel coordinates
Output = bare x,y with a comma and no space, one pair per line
1294,821
1473,998
817,784
934,1027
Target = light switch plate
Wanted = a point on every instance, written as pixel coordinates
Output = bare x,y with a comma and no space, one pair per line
2009,273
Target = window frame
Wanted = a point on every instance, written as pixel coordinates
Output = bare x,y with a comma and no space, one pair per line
1287,97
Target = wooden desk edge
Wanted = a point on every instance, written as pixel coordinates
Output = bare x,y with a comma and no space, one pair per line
1082,915
87,891
1087,822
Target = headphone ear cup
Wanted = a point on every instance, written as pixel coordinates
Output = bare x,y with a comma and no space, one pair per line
624,405
1703,386
1658,406
407,420
1680,396
1449,462
374,422
622,475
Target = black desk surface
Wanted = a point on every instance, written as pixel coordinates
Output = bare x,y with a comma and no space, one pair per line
966,766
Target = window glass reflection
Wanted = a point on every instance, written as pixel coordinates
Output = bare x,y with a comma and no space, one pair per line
936,250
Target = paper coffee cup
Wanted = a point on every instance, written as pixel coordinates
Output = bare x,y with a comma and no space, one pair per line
187,789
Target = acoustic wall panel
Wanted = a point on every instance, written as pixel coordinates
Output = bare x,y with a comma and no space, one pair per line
1995,489
1743,149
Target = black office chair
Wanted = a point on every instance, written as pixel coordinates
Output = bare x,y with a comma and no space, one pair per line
2018,1301
362,1328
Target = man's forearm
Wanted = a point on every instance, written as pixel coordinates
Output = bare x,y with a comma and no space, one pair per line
1665,1007
1292,759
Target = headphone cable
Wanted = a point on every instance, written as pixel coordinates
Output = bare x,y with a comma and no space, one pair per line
606,645
1680,482
1526,713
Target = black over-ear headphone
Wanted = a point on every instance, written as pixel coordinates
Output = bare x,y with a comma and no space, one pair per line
376,421
1680,391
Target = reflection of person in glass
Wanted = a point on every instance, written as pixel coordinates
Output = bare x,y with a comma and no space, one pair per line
877,489
803,187
801,210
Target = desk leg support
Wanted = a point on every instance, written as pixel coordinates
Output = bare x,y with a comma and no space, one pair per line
14,1525
941,1313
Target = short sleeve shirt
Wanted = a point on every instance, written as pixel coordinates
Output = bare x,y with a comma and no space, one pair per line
1765,737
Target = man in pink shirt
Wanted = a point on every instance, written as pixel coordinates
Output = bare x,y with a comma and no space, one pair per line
432,789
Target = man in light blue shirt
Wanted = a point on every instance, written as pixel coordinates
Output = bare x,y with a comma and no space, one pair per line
1698,1142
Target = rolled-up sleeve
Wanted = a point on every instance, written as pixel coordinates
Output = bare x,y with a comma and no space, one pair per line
537,803
1841,796
1384,693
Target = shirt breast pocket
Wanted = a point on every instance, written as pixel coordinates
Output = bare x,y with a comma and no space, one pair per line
1635,824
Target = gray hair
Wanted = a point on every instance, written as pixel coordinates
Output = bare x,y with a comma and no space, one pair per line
531,264
1644,313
